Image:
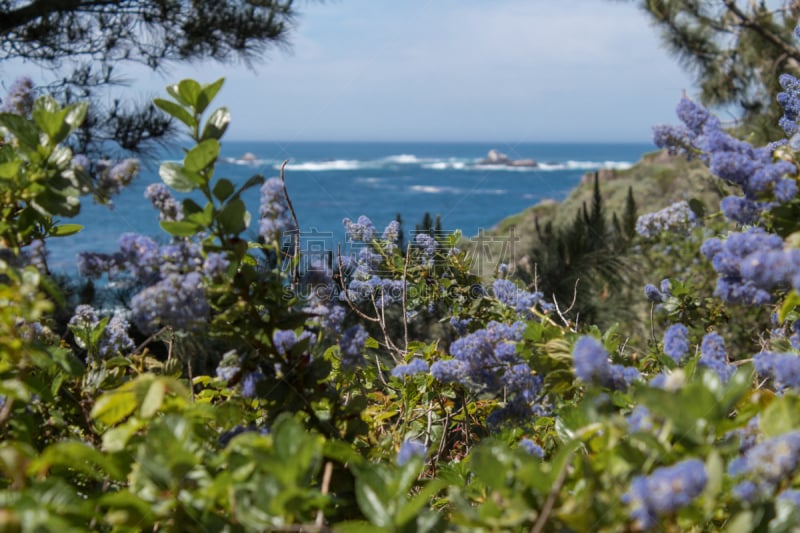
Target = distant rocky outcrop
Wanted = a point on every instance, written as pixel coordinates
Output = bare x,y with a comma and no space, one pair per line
495,157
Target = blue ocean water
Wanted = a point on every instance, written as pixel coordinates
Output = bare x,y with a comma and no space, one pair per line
328,181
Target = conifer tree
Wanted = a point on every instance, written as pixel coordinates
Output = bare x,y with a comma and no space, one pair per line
85,43
734,48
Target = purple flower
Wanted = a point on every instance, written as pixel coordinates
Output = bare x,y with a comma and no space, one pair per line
426,243
676,218
532,448
449,371
591,364
274,209
665,491
351,345
653,294
715,357
409,450
115,339
391,232
162,199
177,300
767,464
249,383
19,100
215,265
284,340
782,368
676,342
416,366
361,231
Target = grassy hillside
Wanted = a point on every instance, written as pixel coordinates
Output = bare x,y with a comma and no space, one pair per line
658,180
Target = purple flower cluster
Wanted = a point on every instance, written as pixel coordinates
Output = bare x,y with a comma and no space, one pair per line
416,366
640,420
652,293
361,231
676,218
35,254
789,99
782,368
715,357
532,448
276,217
162,199
487,359
665,491
764,467
592,366
114,339
738,162
450,371
178,300
409,450
392,232
113,177
351,345
19,99
320,303
676,342
521,300
736,260
215,265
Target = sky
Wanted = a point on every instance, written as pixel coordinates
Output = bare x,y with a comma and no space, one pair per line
451,70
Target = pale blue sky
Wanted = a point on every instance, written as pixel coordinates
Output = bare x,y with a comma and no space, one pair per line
461,70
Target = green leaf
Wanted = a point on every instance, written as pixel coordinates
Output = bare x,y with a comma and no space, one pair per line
190,207
177,177
51,119
181,228
207,94
189,91
780,416
10,169
113,406
65,229
371,495
201,156
25,132
216,124
252,182
176,111
413,508
232,217
791,301
153,399
52,203
76,114
223,189
76,456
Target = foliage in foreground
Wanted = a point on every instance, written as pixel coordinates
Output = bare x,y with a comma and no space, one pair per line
245,386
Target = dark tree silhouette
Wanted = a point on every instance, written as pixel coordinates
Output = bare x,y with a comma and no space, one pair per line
736,49
85,42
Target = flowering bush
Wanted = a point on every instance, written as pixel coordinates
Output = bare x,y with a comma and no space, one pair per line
244,388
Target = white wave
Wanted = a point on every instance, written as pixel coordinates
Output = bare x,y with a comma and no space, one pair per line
403,159
322,166
369,181
446,165
585,165
432,189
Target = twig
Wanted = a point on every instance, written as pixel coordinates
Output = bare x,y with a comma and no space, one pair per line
344,290
296,256
405,310
149,339
547,509
326,483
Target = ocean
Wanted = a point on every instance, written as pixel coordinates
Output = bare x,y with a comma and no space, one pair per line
328,181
